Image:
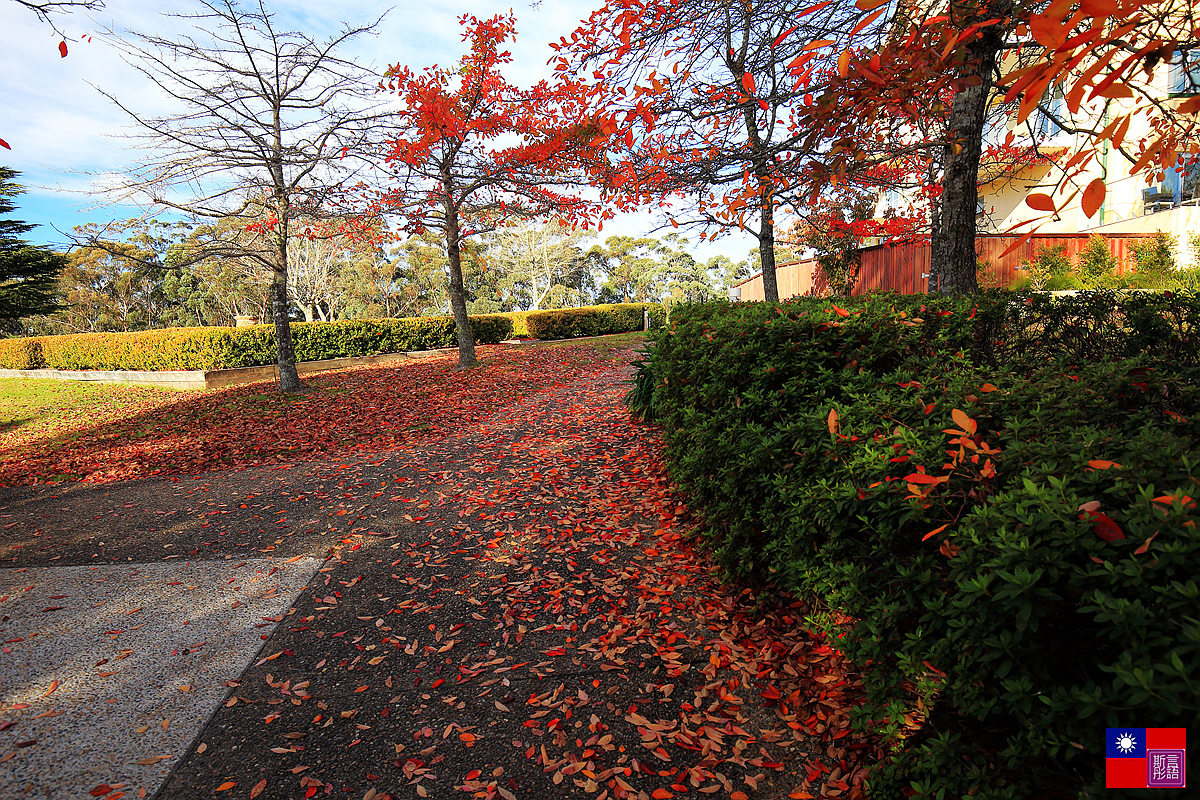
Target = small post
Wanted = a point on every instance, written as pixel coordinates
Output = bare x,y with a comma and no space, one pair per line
645,319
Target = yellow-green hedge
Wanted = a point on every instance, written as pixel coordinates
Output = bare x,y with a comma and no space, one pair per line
520,323
223,348
24,353
565,323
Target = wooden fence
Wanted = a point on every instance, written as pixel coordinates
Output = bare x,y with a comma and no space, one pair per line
904,267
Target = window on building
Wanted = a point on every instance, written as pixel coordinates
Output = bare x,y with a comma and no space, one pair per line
1183,181
1185,73
1045,126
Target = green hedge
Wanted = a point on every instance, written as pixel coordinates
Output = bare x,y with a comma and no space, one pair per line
565,323
1059,591
222,348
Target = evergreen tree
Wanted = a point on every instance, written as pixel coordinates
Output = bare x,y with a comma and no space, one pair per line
28,275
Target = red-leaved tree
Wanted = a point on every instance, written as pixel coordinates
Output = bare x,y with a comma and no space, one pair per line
902,62
470,151
698,99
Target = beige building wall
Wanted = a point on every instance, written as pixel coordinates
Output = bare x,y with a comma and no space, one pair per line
1124,210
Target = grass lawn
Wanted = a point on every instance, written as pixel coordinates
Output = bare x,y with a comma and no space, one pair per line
53,431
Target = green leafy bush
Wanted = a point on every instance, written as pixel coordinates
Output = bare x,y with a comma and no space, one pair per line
601,320
1052,270
995,490
223,348
1098,266
1157,267
1155,260
166,349
1049,268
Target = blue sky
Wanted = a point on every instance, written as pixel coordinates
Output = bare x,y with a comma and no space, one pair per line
63,133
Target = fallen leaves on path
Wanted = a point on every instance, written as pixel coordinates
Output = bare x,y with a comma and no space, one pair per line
543,626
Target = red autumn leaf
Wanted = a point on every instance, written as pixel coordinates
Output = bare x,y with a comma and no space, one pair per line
5,145
748,82
258,788
1100,463
226,786
62,49
782,36
935,531
1103,526
831,421
150,761
1099,8
661,794
867,20
921,477
1144,546
1040,202
963,421
1093,197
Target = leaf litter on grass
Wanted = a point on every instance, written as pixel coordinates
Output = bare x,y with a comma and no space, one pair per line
549,628
117,433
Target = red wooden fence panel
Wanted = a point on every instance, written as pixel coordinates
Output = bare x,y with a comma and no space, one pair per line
797,279
904,267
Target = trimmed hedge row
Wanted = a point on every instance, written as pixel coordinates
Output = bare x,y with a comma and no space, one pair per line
602,320
22,353
520,322
1012,531
223,348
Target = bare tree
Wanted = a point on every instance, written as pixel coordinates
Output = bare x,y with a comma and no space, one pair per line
44,8
269,126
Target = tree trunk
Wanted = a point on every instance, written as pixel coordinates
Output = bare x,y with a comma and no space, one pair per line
766,231
289,378
935,227
766,247
458,294
953,252
307,308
